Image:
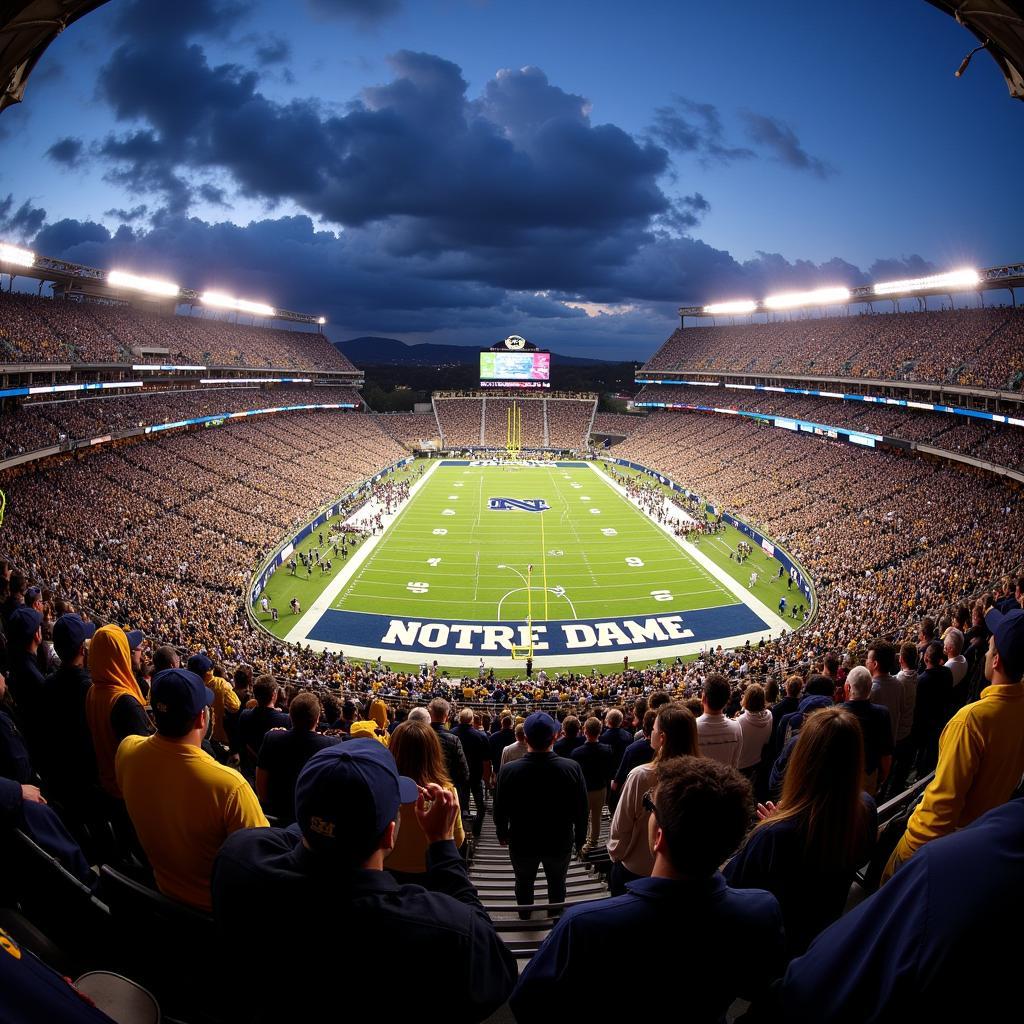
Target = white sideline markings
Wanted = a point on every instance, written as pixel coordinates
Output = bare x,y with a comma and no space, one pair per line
325,600
777,624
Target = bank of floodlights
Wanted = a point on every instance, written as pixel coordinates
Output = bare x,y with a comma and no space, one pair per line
732,308
16,256
953,279
222,301
817,297
149,285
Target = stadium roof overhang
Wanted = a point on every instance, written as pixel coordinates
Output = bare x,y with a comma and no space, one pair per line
998,25
26,30
1009,277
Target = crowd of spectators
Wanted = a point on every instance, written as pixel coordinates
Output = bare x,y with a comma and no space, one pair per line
568,422
531,422
35,329
461,421
616,422
983,439
44,423
971,347
411,429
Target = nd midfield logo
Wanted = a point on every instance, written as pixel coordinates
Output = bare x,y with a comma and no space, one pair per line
522,504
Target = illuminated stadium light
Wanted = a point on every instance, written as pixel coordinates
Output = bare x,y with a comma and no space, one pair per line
965,278
222,301
19,257
321,320
151,285
818,297
739,306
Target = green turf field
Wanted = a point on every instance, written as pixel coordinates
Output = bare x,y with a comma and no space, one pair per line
593,553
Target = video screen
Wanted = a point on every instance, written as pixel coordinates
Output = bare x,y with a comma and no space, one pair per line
514,366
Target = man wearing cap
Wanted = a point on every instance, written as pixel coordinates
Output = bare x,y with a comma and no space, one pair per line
318,892
540,811
24,635
65,754
182,803
981,750
225,700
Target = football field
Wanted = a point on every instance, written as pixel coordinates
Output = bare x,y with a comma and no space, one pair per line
552,558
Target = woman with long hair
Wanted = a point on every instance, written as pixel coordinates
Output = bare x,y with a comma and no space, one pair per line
417,752
805,849
674,734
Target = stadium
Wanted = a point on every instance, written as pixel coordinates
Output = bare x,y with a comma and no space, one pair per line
766,607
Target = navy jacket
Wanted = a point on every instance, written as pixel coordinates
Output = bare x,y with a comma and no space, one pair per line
618,740
640,934
476,747
811,897
596,761
637,753
565,746
938,941
540,805
876,725
267,885
454,758
498,742
14,759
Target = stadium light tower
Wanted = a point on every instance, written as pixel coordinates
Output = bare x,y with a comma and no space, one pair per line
965,278
149,285
726,308
16,256
819,297
222,301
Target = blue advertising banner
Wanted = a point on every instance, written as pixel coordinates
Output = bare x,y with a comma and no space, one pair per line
556,638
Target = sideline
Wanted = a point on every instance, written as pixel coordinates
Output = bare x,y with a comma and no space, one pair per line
311,616
734,586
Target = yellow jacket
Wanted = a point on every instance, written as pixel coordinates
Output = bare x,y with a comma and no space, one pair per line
981,760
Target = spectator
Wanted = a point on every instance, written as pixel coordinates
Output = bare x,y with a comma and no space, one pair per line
272,882
595,760
981,751
515,750
699,812
417,753
15,763
875,728
182,803
254,723
934,704
225,701
806,849
904,953
478,756
454,755
283,754
674,734
755,728
503,737
616,737
953,643
638,752
540,812
114,705
571,738
720,737
885,687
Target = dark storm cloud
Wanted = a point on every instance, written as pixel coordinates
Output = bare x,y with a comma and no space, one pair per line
363,12
273,51
521,167
128,216
67,152
171,21
21,223
686,126
781,141
212,195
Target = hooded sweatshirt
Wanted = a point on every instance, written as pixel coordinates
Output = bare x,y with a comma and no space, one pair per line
110,664
756,727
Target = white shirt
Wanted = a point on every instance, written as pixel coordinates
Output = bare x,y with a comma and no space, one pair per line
958,666
720,739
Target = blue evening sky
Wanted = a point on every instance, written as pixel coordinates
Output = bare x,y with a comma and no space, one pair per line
372,160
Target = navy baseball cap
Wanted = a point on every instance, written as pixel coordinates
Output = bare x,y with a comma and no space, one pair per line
347,795
135,637
177,696
200,664
23,623
1008,629
540,729
69,633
